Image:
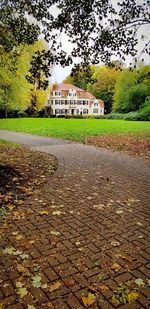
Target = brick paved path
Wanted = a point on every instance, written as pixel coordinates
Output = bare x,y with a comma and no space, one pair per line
99,203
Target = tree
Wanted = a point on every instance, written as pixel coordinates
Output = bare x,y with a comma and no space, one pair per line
99,29
104,85
132,89
80,76
15,90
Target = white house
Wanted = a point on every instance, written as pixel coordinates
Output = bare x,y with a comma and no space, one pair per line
66,99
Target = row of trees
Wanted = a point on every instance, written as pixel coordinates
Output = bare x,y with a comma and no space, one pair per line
123,90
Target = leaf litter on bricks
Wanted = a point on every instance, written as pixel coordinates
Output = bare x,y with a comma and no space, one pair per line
140,282
44,212
36,281
88,300
55,233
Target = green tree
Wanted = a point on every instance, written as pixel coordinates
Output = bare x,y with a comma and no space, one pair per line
104,85
80,76
100,29
132,89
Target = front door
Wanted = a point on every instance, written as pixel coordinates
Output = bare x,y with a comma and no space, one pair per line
72,112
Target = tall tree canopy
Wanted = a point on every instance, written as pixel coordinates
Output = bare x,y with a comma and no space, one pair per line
132,90
16,91
99,29
104,83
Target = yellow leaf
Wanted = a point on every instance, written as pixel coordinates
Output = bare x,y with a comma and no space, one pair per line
103,287
23,270
132,296
54,286
116,267
18,237
88,300
14,233
22,292
11,207
32,241
44,212
77,243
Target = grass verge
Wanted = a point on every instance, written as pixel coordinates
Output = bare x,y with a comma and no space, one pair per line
75,129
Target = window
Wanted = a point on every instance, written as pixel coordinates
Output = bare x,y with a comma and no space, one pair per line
85,111
52,102
95,104
85,102
57,102
57,93
57,111
51,93
95,111
101,110
62,102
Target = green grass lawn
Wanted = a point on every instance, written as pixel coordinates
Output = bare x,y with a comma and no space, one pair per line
75,129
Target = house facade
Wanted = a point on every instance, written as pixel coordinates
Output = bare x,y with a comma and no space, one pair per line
67,99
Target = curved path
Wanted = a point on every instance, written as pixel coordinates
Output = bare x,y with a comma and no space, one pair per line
104,201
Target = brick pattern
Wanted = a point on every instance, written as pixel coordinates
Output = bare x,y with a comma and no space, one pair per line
103,219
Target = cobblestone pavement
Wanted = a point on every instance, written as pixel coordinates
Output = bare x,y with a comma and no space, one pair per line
93,237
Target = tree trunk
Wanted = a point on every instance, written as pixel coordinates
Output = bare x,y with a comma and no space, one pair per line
6,114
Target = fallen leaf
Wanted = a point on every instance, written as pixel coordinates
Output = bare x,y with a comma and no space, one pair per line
140,282
99,206
139,223
15,233
116,267
18,215
44,286
56,233
31,307
37,268
122,256
119,211
132,296
54,286
23,270
115,300
77,243
9,250
17,252
32,241
148,282
69,283
22,292
44,212
103,287
56,213
24,256
36,281
88,300
18,237
19,284
115,243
